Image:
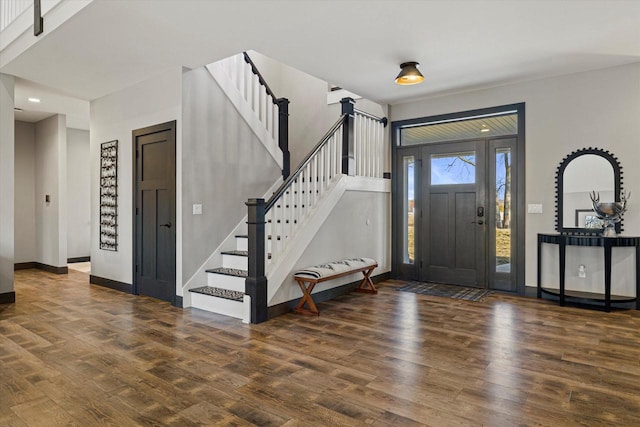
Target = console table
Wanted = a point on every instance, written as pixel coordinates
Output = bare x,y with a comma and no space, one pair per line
564,240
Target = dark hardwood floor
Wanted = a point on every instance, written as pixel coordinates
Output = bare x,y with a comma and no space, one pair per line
78,354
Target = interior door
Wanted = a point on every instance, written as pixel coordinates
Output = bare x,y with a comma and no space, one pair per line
454,213
155,211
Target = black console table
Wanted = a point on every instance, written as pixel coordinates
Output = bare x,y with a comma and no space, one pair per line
564,240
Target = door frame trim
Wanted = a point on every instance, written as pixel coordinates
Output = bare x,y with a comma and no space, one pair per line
170,126
520,211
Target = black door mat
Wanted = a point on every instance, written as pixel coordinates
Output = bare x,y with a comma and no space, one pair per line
449,291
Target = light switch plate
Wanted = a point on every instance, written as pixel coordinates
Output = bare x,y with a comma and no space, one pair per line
197,209
534,208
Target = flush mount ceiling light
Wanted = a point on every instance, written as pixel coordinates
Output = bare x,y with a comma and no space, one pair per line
34,100
409,74
485,128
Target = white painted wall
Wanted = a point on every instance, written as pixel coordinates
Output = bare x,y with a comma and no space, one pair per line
79,194
114,117
25,196
359,226
51,179
224,164
592,109
7,178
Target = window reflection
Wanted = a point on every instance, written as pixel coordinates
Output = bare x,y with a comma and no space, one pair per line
409,209
503,210
456,168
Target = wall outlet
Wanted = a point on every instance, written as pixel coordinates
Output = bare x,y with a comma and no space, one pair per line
197,209
534,208
582,271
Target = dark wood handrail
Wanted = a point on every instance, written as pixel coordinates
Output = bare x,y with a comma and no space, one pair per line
261,79
382,120
287,183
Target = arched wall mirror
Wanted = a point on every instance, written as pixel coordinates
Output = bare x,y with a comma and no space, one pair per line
583,171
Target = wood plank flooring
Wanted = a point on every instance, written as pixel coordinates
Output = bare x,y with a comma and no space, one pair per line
78,354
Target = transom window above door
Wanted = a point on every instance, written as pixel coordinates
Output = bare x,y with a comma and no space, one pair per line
457,130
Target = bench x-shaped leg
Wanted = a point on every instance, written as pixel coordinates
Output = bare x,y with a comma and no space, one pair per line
306,298
366,285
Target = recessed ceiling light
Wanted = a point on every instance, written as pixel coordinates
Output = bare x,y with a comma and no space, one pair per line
485,128
34,100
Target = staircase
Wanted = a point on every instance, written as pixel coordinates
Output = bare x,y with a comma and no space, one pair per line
224,292
258,255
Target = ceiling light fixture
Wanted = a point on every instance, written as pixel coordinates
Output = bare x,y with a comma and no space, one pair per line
409,74
34,100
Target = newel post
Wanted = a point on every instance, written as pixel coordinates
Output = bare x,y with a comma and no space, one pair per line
348,137
283,134
256,282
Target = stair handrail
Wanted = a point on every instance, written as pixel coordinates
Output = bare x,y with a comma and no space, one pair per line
287,183
283,116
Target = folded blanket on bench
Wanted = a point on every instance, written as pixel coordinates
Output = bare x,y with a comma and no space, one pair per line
335,267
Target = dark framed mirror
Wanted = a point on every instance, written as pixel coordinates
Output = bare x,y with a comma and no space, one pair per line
581,172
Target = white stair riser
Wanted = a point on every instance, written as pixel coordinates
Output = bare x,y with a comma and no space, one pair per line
223,281
242,243
235,261
223,306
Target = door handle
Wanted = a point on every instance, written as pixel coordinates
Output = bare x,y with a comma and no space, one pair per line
480,222
168,225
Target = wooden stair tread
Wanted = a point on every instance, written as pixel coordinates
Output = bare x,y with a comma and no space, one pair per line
219,293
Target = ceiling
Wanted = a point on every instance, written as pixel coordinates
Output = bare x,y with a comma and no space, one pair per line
357,45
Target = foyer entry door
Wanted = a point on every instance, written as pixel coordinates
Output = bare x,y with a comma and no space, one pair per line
454,213
155,211
453,204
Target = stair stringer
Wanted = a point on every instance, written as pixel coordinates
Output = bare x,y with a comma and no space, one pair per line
280,271
226,84
215,259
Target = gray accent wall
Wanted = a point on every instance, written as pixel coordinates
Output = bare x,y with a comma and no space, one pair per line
25,192
114,117
223,165
51,180
79,194
309,115
7,178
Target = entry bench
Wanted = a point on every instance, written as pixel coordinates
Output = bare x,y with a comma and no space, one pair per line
309,277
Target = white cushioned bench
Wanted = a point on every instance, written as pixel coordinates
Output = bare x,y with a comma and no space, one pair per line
309,277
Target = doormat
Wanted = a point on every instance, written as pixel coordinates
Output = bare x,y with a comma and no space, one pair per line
449,291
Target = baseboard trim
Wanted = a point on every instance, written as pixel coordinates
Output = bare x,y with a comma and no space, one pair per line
8,298
78,259
111,284
52,269
179,302
40,266
288,306
24,265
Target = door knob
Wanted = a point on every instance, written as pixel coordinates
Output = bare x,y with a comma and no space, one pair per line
168,225
478,222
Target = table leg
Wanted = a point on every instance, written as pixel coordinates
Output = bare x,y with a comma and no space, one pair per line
562,248
607,275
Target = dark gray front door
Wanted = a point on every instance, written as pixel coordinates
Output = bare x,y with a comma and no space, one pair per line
155,211
453,206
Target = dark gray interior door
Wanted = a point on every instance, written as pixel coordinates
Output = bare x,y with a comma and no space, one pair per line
454,213
155,211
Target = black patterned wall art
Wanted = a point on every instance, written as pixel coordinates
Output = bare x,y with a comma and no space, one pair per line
109,196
